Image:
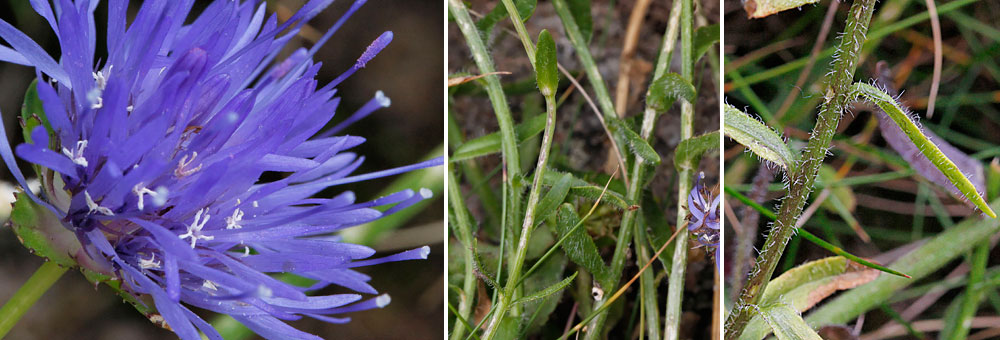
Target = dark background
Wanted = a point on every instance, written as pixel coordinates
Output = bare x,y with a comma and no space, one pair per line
409,71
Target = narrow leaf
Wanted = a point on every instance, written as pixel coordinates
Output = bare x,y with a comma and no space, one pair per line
704,38
548,290
589,191
810,237
928,148
524,8
579,246
546,73
556,195
691,149
804,286
760,139
490,144
787,324
668,88
636,143
480,270
580,9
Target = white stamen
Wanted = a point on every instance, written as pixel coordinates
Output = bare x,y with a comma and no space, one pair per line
94,207
255,205
129,108
246,251
233,222
194,230
149,264
209,285
77,154
182,166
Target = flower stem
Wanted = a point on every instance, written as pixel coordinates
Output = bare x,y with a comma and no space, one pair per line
28,294
529,220
675,290
462,224
802,180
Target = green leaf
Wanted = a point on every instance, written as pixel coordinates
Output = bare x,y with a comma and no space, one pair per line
485,25
580,9
546,73
762,140
33,114
579,246
802,287
547,291
589,191
668,88
549,272
704,38
786,323
480,270
928,148
490,144
640,146
691,149
556,195
810,237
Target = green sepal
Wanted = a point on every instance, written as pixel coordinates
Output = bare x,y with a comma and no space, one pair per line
42,232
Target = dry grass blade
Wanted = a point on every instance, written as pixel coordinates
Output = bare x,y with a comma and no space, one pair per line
628,51
455,81
936,78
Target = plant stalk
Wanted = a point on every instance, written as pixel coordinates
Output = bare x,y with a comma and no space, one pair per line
28,294
835,101
529,221
462,225
675,290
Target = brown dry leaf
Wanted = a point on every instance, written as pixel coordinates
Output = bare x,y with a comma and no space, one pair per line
483,304
455,81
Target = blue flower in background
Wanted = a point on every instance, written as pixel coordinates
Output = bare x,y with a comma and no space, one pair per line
156,156
703,215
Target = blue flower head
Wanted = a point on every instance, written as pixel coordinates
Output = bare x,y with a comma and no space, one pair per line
703,215
152,161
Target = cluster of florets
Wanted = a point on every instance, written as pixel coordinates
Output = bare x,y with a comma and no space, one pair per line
703,216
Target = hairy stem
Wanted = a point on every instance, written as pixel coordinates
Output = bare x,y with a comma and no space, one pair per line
462,224
835,100
508,142
675,290
529,221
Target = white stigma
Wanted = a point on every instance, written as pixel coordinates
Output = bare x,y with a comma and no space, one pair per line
94,207
94,96
182,166
76,155
382,99
383,300
424,251
101,78
141,191
233,222
149,264
194,230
